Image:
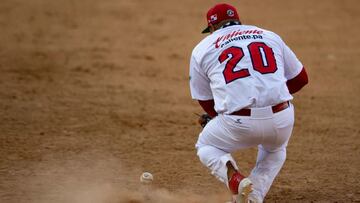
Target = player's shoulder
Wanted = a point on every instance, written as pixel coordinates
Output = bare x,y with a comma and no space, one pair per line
266,32
201,48
209,42
270,36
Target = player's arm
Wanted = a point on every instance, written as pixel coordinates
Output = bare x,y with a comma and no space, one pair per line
295,84
208,106
200,88
295,72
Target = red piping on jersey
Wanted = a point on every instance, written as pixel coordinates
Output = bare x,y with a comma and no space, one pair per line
208,107
298,82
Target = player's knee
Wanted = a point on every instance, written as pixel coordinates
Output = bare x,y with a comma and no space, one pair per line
207,155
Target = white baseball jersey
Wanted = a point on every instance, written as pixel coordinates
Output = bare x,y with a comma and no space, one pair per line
242,66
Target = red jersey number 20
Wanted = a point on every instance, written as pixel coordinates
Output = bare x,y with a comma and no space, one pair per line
262,59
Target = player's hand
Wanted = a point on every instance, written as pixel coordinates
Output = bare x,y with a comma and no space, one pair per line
204,119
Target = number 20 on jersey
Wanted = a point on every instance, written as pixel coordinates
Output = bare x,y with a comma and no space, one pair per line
262,59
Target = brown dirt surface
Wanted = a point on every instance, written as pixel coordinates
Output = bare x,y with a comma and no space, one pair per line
93,93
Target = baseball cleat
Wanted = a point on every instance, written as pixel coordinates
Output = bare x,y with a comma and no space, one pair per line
244,189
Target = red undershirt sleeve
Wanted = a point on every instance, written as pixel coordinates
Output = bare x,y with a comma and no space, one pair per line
208,107
298,82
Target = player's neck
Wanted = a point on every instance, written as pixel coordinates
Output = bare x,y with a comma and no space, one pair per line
231,23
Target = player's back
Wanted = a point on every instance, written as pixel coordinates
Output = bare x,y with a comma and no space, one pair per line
245,66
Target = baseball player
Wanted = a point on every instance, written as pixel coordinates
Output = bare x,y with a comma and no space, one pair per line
243,77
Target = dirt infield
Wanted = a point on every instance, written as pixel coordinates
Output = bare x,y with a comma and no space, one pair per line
94,92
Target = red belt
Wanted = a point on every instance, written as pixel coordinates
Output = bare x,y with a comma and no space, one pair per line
275,109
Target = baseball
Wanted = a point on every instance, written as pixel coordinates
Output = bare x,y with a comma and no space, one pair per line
146,178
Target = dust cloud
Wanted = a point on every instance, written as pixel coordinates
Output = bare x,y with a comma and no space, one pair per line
99,180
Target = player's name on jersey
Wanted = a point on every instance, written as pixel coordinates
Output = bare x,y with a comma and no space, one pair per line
238,35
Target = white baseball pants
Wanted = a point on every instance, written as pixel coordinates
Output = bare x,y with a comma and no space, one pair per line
227,133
